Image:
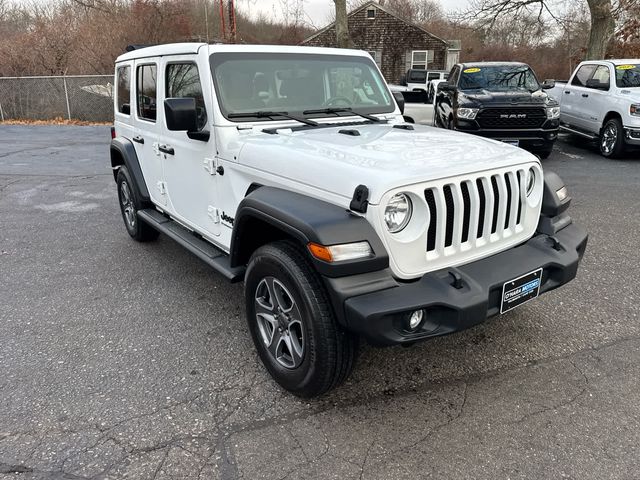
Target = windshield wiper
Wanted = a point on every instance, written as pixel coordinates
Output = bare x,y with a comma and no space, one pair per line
338,110
267,114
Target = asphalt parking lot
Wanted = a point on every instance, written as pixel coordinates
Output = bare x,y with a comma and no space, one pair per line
127,360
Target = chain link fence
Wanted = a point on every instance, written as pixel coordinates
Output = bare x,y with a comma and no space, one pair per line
75,97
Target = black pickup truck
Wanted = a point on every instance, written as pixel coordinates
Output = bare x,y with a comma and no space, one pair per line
500,100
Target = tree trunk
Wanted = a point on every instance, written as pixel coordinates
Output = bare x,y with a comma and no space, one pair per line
342,27
602,28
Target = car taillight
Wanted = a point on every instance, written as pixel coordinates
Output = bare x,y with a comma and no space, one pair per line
113,133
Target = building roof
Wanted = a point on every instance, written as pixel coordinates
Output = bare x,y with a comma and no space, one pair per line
384,9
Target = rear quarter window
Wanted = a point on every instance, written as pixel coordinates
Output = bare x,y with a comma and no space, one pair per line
123,90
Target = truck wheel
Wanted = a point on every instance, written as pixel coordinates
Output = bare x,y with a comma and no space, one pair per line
544,154
611,139
129,206
292,324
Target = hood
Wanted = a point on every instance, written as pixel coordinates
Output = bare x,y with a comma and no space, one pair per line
516,97
381,157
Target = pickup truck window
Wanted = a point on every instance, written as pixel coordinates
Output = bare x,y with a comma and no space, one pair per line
498,78
582,75
417,76
603,76
294,83
628,76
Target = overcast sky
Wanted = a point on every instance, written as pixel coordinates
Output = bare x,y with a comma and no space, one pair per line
318,12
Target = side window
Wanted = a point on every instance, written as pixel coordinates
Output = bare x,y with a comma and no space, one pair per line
123,85
603,76
582,75
183,81
146,91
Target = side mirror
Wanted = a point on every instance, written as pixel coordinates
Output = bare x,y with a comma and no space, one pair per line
125,108
181,114
548,84
399,98
446,87
597,84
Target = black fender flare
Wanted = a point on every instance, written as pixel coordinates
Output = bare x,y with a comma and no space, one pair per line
305,219
123,148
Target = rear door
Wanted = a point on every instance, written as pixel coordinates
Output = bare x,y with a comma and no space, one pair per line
190,170
147,131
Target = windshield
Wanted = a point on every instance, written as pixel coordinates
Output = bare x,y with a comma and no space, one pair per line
295,83
499,78
628,76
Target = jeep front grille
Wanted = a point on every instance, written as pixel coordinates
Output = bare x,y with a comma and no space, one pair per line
510,118
475,211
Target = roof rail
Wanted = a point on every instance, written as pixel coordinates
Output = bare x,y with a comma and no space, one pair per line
131,48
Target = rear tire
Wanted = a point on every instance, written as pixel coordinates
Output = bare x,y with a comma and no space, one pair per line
129,206
292,323
611,139
544,154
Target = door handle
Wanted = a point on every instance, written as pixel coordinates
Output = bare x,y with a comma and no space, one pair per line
585,95
567,92
166,149
138,139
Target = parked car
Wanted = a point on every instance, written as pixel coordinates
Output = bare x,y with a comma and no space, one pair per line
419,79
291,169
500,100
601,101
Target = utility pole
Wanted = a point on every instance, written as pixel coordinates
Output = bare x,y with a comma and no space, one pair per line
232,21
222,22
206,18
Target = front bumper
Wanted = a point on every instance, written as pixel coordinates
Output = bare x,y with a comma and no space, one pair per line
380,316
532,139
632,136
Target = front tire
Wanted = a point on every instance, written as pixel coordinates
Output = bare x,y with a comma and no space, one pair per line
611,139
129,206
292,323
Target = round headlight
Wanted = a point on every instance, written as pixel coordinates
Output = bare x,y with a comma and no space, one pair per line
398,212
531,181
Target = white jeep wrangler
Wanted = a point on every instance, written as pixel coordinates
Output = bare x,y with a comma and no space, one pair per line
291,169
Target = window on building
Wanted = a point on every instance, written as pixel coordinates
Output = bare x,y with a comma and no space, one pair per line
419,59
123,86
183,81
146,91
371,13
377,56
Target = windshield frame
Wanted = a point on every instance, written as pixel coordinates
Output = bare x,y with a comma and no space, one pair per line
493,89
616,69
217,58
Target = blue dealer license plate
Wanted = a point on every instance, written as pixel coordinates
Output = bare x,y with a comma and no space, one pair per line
520,290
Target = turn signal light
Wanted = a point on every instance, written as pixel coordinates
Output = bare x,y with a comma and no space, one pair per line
338,253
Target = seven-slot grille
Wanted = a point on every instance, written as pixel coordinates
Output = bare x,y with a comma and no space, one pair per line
476,211
510,118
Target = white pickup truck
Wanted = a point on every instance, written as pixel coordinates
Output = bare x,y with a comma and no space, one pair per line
601,101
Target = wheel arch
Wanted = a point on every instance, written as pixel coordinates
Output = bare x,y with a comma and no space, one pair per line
123,153
268,214
611,114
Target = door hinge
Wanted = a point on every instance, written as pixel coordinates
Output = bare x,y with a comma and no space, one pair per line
210,165
162,187
214,213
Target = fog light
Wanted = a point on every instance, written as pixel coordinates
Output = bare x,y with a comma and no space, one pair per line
416,319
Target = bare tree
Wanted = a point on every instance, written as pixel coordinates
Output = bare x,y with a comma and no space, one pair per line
342,26
602,12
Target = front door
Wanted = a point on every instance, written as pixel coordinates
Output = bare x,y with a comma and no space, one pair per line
146,131
189,167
